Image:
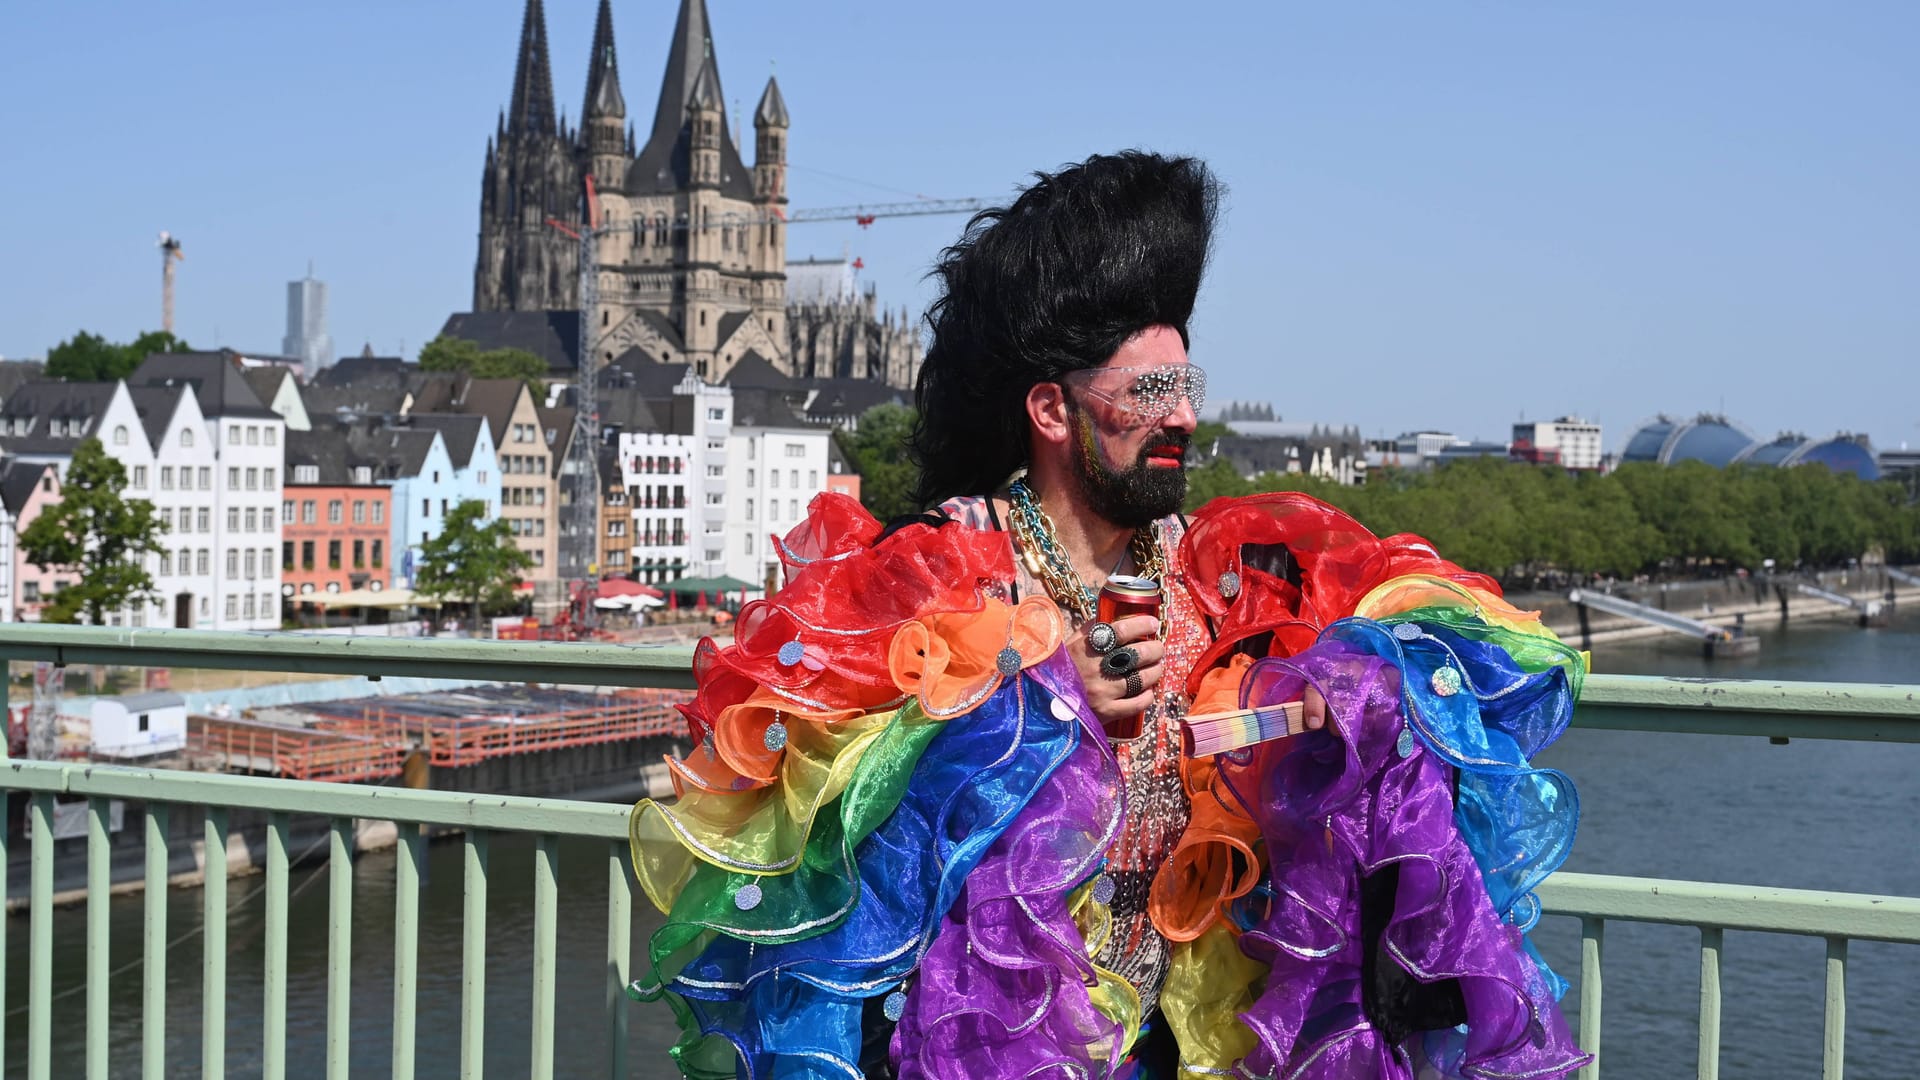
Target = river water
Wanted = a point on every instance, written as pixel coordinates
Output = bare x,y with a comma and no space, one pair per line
1811,814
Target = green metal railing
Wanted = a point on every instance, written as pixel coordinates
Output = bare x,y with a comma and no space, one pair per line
1755,709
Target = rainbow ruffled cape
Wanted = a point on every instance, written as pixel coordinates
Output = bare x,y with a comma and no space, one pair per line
899,806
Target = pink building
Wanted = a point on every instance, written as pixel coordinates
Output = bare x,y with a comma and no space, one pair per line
27,488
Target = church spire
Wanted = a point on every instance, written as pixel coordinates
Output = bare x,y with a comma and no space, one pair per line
603,71
531,108
689,53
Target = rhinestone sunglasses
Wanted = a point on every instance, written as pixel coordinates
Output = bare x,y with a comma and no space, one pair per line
1141,396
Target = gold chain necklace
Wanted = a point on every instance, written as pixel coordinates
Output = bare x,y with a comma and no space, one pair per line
1034,531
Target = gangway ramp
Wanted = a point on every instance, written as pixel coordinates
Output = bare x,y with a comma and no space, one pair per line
1872,612
1719,640
1903,576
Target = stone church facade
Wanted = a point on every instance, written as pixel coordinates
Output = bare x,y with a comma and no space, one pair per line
692,246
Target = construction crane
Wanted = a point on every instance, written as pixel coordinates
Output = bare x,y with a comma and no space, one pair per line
585,511
169,254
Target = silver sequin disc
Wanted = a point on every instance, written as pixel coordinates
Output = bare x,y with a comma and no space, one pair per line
1407,631
791,653
776,736
1446,681
1063,712
748,897
1229,585
895,1006
1404,744
1103,889
1008,661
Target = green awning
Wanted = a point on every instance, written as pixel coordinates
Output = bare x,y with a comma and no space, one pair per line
721,584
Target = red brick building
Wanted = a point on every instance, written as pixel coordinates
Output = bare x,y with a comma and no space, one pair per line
336,524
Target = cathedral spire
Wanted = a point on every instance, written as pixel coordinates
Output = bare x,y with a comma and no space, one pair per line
603,71
531,108
689,53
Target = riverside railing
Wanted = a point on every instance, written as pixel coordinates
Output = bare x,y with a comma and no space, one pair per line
1776,711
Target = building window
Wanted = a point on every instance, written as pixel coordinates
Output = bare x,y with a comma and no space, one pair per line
715,412
426,507
749,509
253,435
379,512
202,565
233,434
233,563
233,606
233,519
273,436
186,437
333,511
306,554
773,478
796,450
166,478
286,555
307,512
813,478
140,477
286,512
378,547
186,519
253,565
253,479
166,564
233,476
360,508
443,508
793,478
359,554
267,477
206,478
251,609
747,547
120,435
205,518
793,509
333,554
252,520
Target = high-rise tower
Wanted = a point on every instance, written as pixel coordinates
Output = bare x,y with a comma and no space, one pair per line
307,336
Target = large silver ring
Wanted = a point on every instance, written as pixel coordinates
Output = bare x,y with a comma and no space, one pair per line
1120,663
1134,686
1102,637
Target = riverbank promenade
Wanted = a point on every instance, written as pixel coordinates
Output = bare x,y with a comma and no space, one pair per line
1728,709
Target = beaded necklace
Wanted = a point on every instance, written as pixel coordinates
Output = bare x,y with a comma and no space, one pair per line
1034,530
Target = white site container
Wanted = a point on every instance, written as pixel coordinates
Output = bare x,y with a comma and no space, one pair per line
139,725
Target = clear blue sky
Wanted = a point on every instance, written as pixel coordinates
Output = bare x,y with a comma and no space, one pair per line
1440,214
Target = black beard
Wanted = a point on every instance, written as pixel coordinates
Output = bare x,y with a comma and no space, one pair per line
1137,496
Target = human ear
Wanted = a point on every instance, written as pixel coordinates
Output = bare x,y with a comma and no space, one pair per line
1048,413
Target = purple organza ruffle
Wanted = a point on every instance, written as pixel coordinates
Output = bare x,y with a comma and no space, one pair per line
1335,810
1003,989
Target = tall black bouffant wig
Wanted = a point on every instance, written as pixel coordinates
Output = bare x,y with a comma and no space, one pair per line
1083,260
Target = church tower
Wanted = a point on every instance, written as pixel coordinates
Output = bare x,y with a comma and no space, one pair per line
770,124
530,175
604,115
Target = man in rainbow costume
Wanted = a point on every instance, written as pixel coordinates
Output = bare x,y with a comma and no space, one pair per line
905,845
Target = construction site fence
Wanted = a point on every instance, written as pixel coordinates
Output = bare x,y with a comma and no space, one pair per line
468,740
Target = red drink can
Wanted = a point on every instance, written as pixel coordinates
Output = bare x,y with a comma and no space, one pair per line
1123,596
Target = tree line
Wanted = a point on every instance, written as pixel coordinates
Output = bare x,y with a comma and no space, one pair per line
1525,523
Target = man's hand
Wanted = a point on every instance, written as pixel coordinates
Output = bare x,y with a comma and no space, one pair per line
1313,711
1107,696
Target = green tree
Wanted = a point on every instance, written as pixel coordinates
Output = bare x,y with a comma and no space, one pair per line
457,354
877,450
86,357
103,537
472,560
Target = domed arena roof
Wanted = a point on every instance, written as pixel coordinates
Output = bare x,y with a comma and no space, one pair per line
1646,443
1712,439
1772,453
1842,453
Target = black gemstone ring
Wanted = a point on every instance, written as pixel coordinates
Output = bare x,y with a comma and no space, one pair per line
1101,638
1134,686
1120,663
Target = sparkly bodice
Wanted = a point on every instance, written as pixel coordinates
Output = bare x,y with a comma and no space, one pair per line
1155,801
